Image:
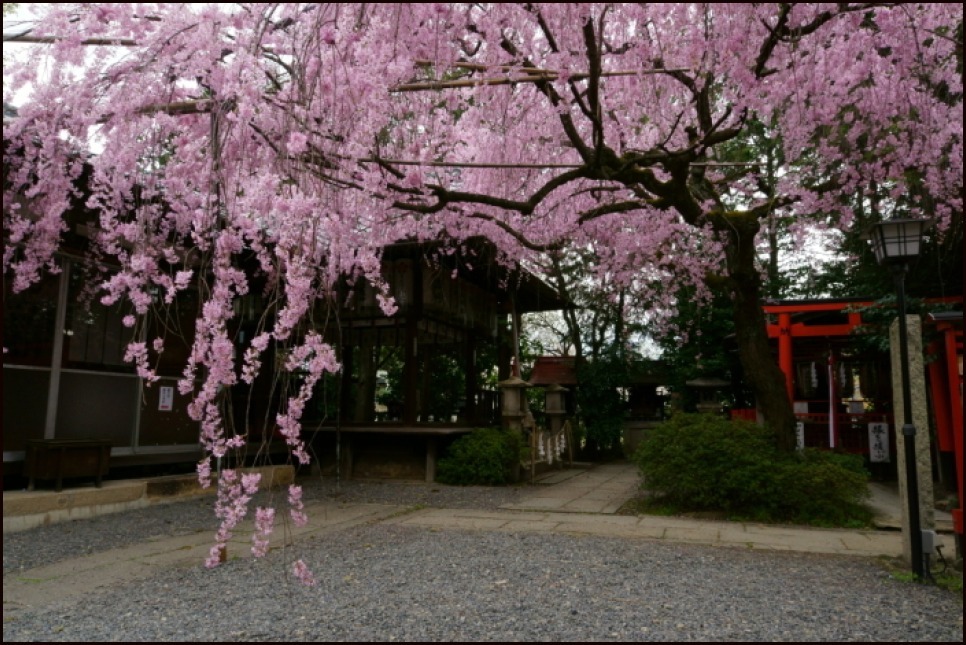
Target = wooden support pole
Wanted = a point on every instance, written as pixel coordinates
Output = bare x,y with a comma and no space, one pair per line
785,361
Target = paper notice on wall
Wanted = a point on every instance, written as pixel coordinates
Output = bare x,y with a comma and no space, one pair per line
165,398
879,443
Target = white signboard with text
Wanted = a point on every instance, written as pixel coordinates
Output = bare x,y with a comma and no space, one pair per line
165,398
879,443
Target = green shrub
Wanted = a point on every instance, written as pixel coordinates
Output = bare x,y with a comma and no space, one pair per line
708,463
705,462
486,456
826,488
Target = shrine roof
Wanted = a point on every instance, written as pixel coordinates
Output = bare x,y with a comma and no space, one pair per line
549,370
476,260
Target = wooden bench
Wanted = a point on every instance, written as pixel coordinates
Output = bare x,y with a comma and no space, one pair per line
64,458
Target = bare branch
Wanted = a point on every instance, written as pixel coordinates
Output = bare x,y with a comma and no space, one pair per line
467,164
49,40
200,106
480,67
782,33
536,76
534,166
612,209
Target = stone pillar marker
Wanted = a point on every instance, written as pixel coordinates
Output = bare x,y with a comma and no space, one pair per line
920,418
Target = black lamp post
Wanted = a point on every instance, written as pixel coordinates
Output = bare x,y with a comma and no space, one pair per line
894,243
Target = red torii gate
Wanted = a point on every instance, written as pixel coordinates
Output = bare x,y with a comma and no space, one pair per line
784,330
946,384
945,373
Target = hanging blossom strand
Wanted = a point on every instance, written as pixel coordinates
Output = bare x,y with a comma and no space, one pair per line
235,154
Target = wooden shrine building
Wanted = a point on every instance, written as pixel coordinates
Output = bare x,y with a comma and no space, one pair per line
413,382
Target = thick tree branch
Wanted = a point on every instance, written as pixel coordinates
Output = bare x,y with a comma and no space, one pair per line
446,197
594,111
517,235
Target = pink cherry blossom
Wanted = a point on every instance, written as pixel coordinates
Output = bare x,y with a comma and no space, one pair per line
274,150
304,575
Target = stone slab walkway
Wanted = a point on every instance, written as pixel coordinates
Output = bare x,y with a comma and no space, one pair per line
601,489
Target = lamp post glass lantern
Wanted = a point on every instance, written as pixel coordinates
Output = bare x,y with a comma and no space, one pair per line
894,243
897,240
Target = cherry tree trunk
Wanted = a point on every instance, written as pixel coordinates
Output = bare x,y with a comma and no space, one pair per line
762,373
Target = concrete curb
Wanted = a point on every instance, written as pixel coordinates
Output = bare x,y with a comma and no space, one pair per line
670,529
24,510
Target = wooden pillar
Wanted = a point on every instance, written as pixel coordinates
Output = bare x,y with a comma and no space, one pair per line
504,350
954,352
471,383
365,387
942,405
411,403
834,440
785,361
424,360
345,399
431,451
57,358
345,455
515,329
411,372
952,381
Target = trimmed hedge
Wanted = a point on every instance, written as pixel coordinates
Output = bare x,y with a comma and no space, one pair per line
485,457
698,462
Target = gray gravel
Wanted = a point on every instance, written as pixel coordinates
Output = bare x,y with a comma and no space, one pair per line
387,582
46,545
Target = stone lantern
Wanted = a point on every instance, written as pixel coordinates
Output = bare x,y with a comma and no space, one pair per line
554,401
556,410
513,406
709,393
513,409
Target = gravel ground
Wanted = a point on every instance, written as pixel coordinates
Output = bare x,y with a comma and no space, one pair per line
385,582
49,544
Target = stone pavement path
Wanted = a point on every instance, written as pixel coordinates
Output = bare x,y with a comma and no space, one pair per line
602,489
